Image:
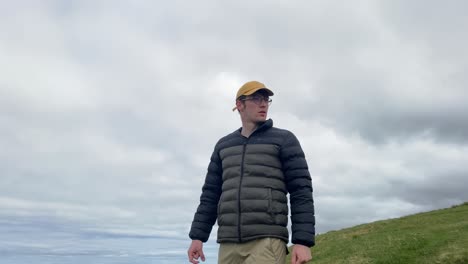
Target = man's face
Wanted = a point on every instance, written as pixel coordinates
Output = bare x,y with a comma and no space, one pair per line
254,108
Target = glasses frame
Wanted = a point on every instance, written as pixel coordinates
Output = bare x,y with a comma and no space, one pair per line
258,100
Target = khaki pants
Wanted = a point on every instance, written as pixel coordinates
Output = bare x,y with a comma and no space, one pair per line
259,251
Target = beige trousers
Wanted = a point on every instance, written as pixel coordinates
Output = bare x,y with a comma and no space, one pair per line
259,251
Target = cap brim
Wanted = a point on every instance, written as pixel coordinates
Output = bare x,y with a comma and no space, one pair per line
270,93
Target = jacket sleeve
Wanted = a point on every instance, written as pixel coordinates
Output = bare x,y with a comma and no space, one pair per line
206,213
299,185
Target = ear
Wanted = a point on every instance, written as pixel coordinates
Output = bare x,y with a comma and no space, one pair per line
239,104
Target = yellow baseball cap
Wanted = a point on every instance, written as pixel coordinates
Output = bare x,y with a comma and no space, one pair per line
249,88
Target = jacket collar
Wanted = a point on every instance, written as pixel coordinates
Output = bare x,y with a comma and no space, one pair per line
262,127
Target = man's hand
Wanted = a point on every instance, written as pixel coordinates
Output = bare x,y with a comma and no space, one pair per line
195,251
300,254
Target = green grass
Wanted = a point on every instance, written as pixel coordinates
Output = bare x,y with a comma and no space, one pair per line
439,236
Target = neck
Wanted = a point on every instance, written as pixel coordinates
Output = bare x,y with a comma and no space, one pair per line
248,128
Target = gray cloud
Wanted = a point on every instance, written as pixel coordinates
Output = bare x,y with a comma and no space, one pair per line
109,112
403,80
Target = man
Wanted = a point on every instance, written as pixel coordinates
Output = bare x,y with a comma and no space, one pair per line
249,175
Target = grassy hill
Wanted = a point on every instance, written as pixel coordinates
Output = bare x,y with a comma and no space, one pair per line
439,236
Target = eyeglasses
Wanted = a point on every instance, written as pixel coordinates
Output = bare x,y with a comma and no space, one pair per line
258,100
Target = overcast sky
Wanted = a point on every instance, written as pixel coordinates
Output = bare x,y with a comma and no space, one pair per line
109,110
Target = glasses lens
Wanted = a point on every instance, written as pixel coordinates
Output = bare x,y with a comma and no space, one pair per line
259,100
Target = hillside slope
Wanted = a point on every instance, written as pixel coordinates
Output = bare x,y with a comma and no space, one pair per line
439,236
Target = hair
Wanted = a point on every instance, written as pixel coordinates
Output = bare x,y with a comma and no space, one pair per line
241,98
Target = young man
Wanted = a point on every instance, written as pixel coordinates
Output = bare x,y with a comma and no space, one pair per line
249,175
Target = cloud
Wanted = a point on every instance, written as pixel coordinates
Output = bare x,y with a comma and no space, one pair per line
109,113
357,182
392,84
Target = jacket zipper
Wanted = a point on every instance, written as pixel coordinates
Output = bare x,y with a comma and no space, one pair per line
239,193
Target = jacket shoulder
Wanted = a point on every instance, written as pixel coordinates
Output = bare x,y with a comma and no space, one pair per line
284,134
281,131
229,140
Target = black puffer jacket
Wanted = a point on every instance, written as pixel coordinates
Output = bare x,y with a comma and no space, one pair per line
246,185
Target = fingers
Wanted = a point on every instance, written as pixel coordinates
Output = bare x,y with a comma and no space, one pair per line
298,259
193,256
293,258
195,252
202,255
193,260
301,260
